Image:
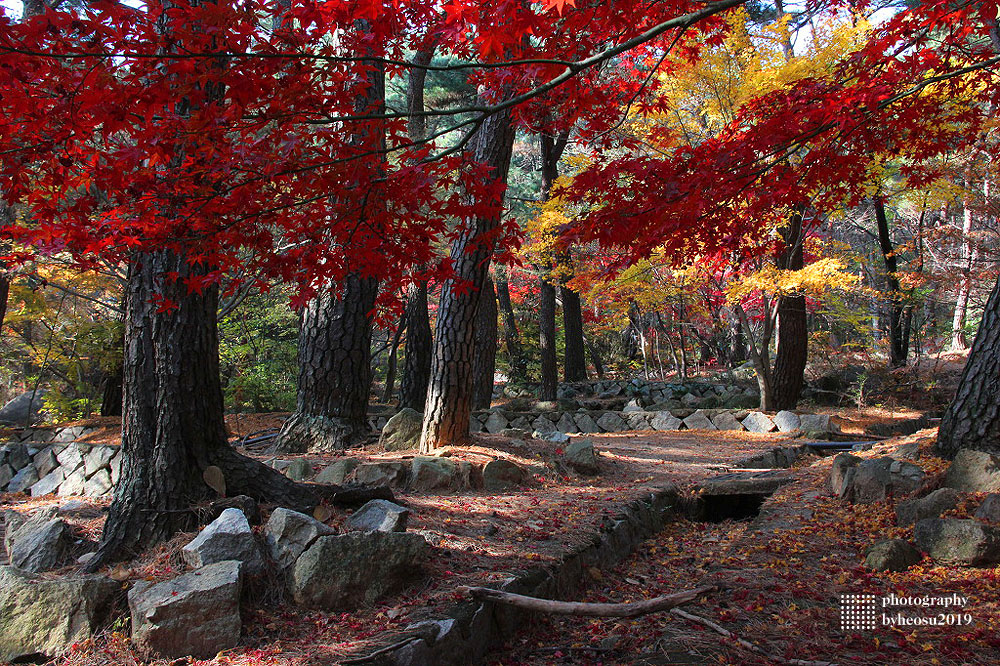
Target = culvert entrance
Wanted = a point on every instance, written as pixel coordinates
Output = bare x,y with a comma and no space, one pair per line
737,496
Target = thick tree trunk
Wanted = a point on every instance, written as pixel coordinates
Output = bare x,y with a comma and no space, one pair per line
972,421
898,335
331,409
449,394
173,427
486,348
574,361
547,339
417,352
512,338
792,350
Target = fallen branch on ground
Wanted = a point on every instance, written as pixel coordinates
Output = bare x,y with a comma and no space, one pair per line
722,631
632,609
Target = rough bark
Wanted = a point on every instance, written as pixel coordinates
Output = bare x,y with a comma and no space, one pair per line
511,336
486,348
417,352
173,427
574,359
331,408
787,376
449,394
972,421
898,333
393,351
547,339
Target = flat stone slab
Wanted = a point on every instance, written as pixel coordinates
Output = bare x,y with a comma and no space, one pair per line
745,483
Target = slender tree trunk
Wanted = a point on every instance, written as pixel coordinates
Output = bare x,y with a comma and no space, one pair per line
449,395
574,361
547,339
898,337
390,373
331,408
595,357
419,337
486,348
173,427
792,351
972,421
512,338
417,352
958,339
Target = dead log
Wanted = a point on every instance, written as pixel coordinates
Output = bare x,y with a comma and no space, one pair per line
632,609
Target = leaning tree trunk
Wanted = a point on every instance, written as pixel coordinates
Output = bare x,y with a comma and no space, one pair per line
331,408
486,348
972,421
449,394
898,333
792,351
172,426
574,359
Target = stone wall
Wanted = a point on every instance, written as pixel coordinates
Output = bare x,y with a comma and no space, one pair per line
47,461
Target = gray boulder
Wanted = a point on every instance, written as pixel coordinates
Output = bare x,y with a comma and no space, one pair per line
16,455
97,459
226,538
22,409
501,474
45,461
432,473
336,472
759,422
586,423
841,463
957,541
48,484
196,614
288,533
726,421
892,555
495,423
699,421
402,431
818,423
551,435
99,484
74,484
46,616
581,457
875,479
6,475
379,474
379,516
23,480
787,421
343,572
633,405
933,505
70,458
665,421
974,472
611,422
989,510
299,470
40,544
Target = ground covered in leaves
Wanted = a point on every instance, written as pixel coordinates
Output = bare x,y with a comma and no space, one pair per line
781,577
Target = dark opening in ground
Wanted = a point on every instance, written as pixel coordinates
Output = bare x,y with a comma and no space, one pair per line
717,508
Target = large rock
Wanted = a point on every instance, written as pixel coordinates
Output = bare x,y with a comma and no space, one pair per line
402,431
501,474
288,533
45,461
97,459
196,614
699,421
551,435
23,409
665,421
989,510
15,455
874,479
957,541
581,457
432,473
379,516
344,572
818,423
841,463
379,474
974,472
495,423
611,422
892,555
46,616
23,480
586,423
759,422
49,483
226,538
726,421
74,484
337,472
911,511
39,544
299,469
787,421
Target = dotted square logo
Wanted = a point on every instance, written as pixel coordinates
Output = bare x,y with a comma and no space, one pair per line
858,611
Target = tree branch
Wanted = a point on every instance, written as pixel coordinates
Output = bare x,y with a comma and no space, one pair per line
632,609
